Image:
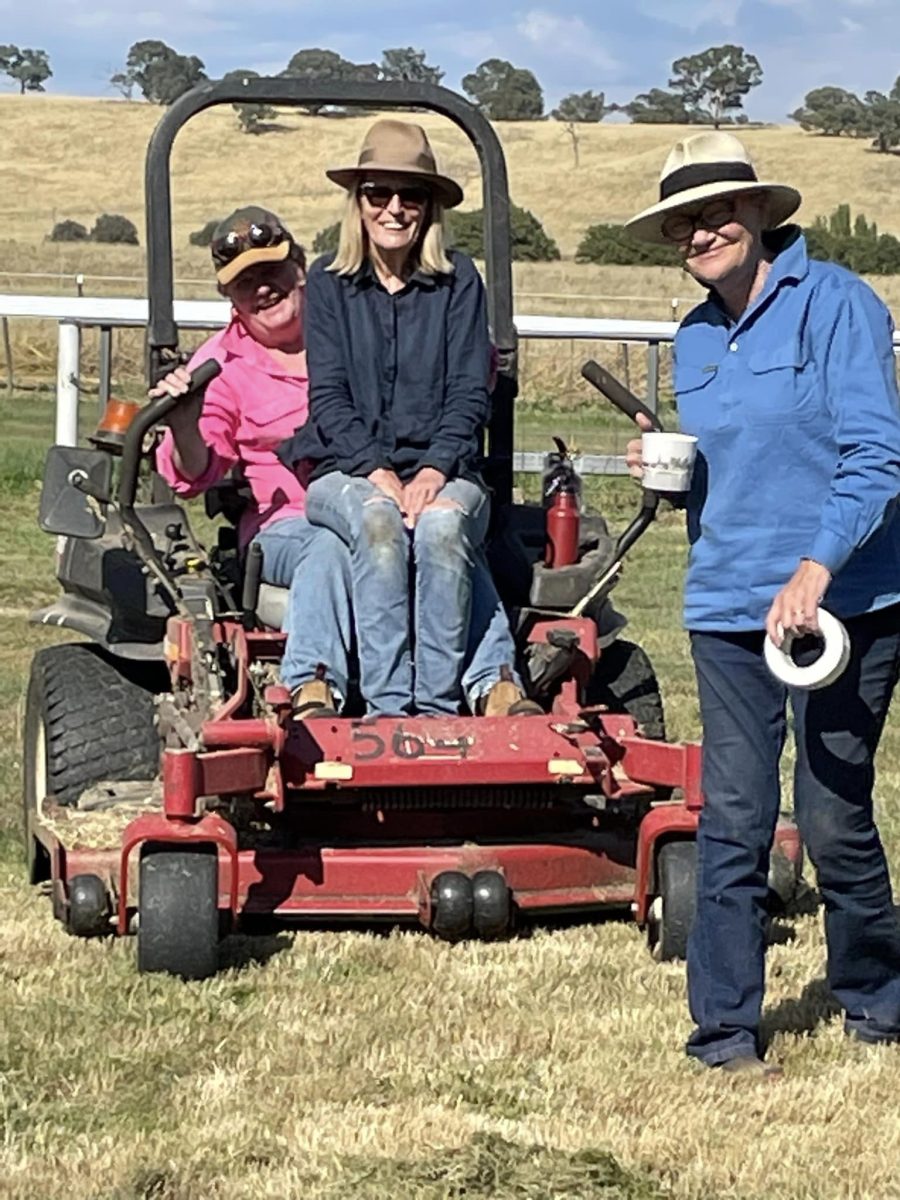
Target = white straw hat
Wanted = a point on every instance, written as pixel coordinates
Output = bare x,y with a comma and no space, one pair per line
702,167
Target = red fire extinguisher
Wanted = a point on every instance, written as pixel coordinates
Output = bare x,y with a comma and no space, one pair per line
562,499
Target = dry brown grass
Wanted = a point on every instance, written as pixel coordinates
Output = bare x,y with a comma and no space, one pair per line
76,158
68,158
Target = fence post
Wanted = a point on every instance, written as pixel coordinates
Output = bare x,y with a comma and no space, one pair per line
7,347
67,368
105,365
653,375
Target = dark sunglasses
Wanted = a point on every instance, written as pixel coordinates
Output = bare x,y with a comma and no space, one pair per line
233,243
379,195
679,227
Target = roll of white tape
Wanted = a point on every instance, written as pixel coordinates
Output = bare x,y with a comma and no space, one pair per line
825,669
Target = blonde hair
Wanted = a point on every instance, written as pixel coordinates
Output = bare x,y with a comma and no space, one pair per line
429,254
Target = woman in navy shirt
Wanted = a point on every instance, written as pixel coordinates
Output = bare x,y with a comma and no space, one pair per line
786,376
399,357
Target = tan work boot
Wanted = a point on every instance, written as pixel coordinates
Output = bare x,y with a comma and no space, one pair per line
312,699
506,699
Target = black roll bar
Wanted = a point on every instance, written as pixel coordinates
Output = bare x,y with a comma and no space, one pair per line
285,91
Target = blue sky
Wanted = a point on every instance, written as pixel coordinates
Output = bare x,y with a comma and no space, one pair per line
617,47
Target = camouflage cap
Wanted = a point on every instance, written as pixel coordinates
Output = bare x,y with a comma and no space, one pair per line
250,235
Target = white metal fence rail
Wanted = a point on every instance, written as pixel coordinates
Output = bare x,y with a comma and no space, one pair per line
74,313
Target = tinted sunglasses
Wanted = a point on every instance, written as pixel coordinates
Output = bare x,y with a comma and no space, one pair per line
234,243
679,227
379,195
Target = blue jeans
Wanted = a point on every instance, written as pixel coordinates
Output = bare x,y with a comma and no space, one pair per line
836,731
315,566
443,553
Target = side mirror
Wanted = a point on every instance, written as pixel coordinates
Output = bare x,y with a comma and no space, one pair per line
73,478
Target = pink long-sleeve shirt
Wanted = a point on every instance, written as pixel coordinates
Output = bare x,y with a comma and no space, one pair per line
252,406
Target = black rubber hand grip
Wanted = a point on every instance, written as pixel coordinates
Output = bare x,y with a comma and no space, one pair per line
617,393
204,374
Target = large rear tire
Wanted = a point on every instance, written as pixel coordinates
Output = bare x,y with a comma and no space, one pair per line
178,912
88,717
625,682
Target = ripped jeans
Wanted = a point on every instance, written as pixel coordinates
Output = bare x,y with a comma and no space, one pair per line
441,555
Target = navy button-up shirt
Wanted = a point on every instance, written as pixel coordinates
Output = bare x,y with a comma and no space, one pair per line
398,380
796,410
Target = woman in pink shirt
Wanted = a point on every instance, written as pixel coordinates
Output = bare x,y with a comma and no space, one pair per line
256,402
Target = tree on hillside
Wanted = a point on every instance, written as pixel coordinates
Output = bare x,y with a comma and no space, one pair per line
124,83
657,107
327,65
161,73
882,119
29,68
251,117
714,83
831,111
504,92
582,106
406,63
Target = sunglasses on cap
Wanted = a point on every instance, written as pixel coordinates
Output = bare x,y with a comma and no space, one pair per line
255,237
680,227
379,195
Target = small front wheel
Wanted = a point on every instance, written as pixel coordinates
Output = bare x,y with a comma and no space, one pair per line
178,911
672,911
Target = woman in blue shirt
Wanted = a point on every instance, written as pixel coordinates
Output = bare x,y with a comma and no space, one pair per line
786,376
399,356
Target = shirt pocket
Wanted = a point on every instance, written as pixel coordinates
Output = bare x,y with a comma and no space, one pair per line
267,423
779,386
699,404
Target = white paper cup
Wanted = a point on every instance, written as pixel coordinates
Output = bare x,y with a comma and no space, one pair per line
668,461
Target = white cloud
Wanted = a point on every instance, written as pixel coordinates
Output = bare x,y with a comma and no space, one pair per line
474,44
568,37
691,14
851,26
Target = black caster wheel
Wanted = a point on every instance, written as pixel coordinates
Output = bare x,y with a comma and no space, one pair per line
672,911
178,912
451,905
89,910
492,904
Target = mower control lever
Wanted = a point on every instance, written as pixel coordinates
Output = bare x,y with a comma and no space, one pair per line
618,394
151,414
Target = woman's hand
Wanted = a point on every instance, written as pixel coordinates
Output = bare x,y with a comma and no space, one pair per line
191,453
420,491
795,606
633,456
388,482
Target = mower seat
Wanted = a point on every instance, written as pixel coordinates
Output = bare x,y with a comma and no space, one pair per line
272,605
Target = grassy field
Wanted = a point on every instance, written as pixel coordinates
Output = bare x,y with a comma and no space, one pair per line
57,153
369,1065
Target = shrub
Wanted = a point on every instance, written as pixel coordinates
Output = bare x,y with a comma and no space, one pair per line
68,231
326,240
856,245
613,245
529,241
113,228
203,237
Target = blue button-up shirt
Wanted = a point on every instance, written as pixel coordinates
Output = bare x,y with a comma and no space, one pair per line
396,380
796,410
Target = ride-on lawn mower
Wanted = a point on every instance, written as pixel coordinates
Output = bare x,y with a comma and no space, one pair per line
167,786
